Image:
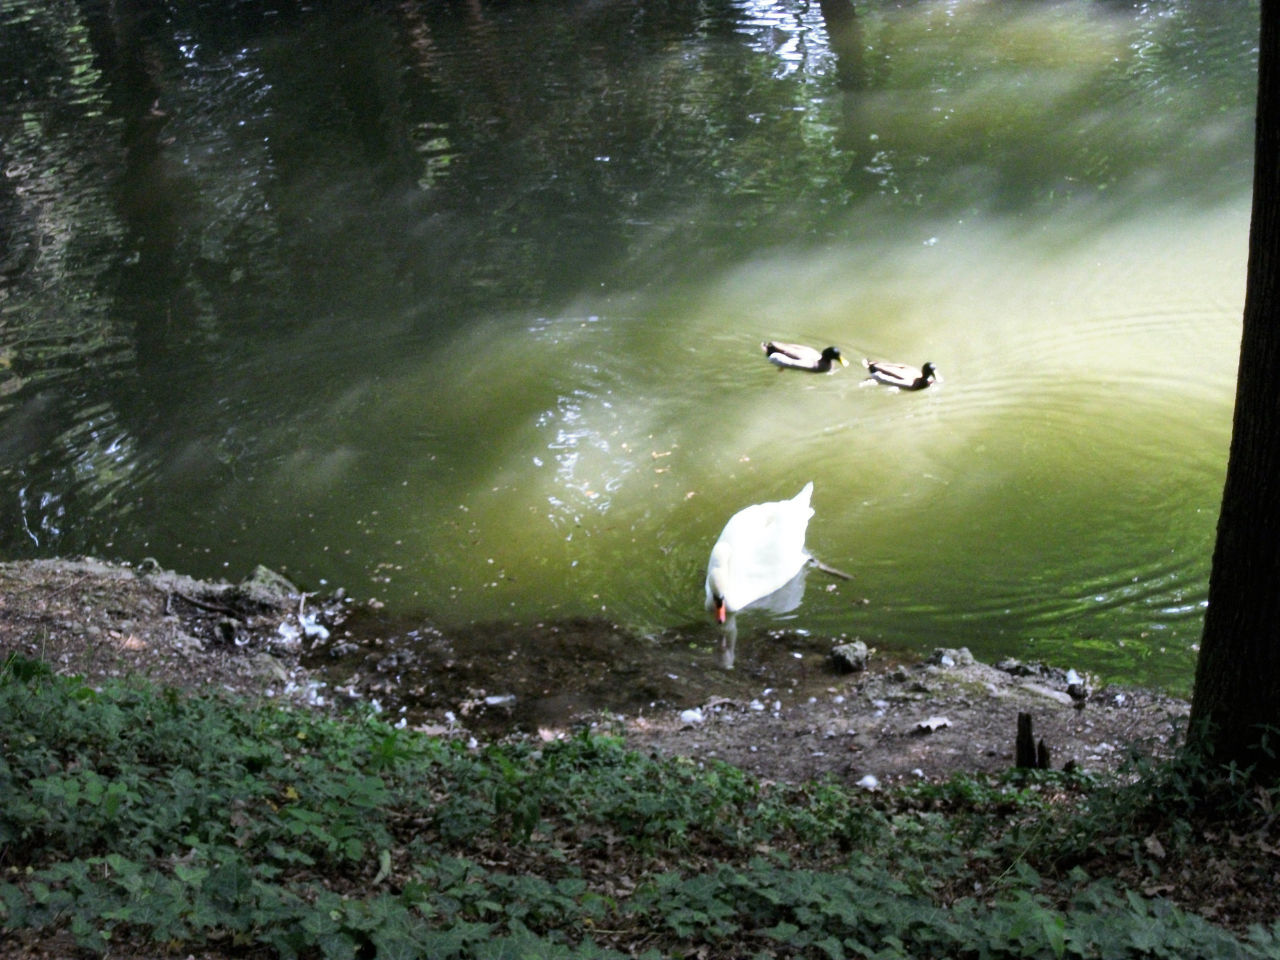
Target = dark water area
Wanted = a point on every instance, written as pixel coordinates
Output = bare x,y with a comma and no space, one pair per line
457,306
496,677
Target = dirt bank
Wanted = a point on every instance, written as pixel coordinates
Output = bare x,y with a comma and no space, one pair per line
788,714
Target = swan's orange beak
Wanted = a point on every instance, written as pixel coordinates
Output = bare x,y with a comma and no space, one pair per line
720,612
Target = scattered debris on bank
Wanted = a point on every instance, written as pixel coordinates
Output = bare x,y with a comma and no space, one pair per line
813,707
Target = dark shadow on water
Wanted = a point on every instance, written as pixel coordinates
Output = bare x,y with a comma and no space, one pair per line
495,677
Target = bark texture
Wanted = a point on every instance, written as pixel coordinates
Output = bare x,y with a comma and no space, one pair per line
1237,686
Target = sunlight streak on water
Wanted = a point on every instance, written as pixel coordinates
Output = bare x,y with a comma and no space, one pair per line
1061,481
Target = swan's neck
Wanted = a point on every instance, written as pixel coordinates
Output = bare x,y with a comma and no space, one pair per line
727,648
717,582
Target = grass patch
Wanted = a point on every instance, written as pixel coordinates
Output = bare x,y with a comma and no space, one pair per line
141,820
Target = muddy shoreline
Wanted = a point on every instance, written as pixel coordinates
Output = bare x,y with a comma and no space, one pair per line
792,712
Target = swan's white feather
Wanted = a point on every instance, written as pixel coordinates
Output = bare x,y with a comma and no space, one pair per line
760,549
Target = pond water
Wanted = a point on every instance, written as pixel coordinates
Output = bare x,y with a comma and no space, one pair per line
459,308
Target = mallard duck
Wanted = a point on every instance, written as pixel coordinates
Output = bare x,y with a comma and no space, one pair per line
797,356
759,550
901,375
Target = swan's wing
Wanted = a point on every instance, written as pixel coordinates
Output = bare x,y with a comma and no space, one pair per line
760,549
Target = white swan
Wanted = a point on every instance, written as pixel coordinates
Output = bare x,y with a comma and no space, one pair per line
759,551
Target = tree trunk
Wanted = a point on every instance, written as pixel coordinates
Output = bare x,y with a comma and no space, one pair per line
1237,685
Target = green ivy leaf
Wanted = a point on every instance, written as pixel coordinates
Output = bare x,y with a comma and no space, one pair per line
229,884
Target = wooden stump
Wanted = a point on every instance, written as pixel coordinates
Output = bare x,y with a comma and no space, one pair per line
1027,753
